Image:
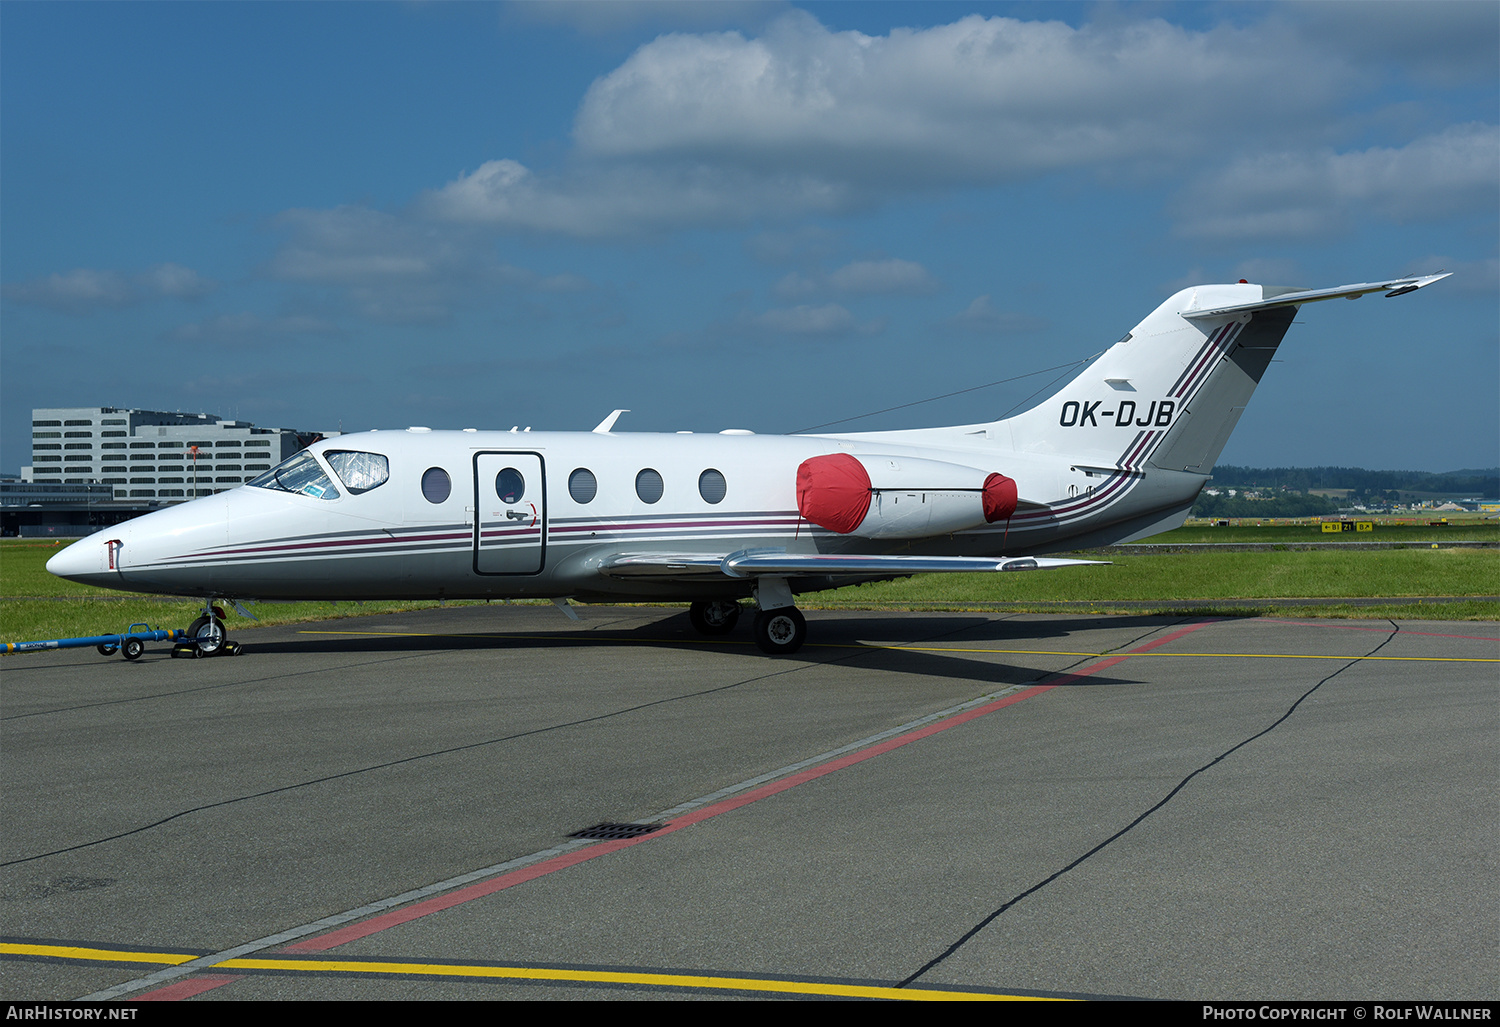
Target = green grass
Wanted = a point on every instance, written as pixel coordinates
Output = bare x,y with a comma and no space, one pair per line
1214,577
35,605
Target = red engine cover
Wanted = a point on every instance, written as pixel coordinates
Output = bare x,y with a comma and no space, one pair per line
833,492
999,498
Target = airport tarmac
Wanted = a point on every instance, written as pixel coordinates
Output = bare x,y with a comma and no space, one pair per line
974,804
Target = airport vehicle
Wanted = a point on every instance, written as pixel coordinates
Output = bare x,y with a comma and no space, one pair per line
1118,454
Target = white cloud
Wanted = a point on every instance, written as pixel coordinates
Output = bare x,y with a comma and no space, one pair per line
977,101
1294,195
862,278
721,129
882,276
626,198
982,318
244,325
351,244
826,321
1446,43
791,245
400,268
85,290
174,280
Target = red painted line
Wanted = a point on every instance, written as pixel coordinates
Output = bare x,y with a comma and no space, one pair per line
184,989
397,917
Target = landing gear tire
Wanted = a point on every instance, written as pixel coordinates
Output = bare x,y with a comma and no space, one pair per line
132,648
208,633
715,617
780,632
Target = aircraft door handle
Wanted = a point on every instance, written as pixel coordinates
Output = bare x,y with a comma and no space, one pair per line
518,515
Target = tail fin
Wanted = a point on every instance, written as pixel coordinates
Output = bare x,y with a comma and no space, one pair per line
1171,391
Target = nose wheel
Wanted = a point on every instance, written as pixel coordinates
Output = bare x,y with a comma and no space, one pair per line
208,633
780,632
206,636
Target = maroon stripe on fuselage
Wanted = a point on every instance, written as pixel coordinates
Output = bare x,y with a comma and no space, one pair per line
272,547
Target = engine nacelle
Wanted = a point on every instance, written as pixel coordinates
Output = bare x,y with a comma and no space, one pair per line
900,497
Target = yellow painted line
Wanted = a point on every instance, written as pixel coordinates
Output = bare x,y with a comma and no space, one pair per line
518,973
938,649
617,977
104,955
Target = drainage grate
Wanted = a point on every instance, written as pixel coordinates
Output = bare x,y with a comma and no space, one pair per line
610,832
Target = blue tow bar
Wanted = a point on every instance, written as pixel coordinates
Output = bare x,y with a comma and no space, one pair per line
131,644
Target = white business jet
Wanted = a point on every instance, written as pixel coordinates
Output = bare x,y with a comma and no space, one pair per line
1118,454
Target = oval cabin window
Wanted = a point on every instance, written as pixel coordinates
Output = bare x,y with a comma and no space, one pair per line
436,485
648,485
582,486
711,486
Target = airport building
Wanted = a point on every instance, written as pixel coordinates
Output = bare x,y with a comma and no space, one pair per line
152,455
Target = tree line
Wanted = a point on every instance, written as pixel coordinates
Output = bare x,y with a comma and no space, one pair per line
1479,483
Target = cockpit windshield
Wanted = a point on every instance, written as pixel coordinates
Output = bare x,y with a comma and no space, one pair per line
360,472
299,473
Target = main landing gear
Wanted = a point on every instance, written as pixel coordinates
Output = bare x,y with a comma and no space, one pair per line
780,632
714,617
780,628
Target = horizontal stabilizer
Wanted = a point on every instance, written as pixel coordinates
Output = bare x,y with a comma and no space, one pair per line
751,563
1394,287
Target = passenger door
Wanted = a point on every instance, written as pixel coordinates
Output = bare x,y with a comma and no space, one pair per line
510,509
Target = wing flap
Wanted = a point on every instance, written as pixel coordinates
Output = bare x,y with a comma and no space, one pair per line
750,563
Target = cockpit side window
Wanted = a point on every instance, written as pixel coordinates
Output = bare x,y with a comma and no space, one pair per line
360,472
299,473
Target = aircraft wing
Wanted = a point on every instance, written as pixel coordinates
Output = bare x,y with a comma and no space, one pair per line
749,563
1394,287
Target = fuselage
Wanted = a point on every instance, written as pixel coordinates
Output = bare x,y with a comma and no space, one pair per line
573,500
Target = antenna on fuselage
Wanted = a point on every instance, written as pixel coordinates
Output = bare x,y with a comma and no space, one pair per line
609,422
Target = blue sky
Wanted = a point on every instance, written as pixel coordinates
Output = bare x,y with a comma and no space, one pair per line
748,215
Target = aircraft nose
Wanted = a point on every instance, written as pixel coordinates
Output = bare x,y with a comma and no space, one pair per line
86,561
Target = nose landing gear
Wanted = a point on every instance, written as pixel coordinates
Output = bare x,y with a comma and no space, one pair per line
207,636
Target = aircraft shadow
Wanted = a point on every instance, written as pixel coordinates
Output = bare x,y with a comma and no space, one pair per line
836,640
